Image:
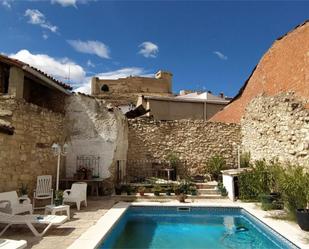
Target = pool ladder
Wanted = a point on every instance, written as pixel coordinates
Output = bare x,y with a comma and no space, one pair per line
183,209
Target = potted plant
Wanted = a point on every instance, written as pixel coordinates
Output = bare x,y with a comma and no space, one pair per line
214,166
302,214
24,190
58,198
128,189
182,197
193,190
157,190
118,189
141,190
168,190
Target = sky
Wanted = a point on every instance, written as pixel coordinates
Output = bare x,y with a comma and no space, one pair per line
207,45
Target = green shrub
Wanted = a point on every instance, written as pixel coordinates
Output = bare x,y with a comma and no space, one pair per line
291,182
294,184
173,158
214,166
245,158
255,182
157,189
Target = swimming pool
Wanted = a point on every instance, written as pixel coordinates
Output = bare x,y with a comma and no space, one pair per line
191,227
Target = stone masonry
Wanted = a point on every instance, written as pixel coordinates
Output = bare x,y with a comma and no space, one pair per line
193,141
27,153
277,127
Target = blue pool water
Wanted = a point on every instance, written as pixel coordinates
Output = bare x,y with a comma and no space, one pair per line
211,227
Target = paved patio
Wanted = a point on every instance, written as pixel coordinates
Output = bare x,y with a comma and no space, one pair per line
62,236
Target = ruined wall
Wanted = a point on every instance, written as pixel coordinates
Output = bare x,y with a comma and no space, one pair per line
194,141
277,127
27,153
284,68
93,129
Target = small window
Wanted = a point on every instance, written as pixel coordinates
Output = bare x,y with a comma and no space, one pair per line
105,88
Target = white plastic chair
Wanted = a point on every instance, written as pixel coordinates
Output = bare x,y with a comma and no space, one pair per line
12,204
77,194
43,189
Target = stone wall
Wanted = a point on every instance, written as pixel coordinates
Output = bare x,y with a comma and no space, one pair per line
27,153
93,129
277,127
194,142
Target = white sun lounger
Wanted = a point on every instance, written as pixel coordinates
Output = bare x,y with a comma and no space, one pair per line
30,220
12,244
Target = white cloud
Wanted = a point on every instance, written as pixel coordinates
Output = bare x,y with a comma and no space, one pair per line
63,67
120,73
90,64
45,36
149,49
37,18
90,47
67,3
220,55
59,68
7,3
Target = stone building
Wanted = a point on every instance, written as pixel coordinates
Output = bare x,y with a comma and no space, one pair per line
32,106
124,91
195,106
36,111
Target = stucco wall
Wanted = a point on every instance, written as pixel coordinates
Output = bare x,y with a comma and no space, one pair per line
27,153
94,130
176,110
194,141
283,68
277,127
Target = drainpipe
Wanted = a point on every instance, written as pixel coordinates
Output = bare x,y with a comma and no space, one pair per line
205,110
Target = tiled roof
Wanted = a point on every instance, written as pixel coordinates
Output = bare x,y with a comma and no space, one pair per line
21,64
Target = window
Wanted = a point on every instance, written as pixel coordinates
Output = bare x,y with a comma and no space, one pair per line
105,88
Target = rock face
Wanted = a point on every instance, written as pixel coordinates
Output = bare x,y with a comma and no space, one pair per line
277,127
283,68
194,141
27,153
94,130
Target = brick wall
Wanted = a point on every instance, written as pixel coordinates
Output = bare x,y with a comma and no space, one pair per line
194,141
285,67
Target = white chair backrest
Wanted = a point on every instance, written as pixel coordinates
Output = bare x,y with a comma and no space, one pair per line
44,185
79,189
10,196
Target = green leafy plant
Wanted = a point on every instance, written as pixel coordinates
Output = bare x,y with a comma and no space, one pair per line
58,197
245,158
23,189
214,166
193,190
157,189
173,159
169,190
255,182
294,184
222,189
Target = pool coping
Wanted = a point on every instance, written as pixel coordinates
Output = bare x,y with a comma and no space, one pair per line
91,238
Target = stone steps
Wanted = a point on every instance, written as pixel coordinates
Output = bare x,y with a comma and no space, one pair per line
207,191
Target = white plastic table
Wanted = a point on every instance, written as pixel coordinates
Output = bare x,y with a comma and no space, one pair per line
54,209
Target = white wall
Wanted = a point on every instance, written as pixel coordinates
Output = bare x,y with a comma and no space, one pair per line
94,130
